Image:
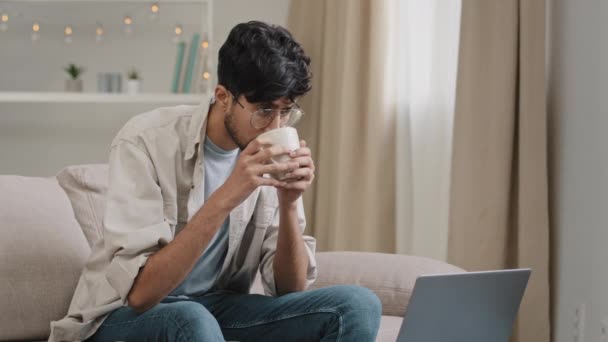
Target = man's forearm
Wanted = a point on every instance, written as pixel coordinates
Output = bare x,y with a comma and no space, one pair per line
290,262
167,268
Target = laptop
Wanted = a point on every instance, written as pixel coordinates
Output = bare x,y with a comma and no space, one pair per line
464,307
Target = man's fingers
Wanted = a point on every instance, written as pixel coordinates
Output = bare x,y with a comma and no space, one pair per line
277,168
301,185
304,162
271,182
300,174
301,152
264,155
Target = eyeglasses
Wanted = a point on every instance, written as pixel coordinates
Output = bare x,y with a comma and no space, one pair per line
261,118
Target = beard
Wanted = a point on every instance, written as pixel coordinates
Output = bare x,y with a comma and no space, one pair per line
233,131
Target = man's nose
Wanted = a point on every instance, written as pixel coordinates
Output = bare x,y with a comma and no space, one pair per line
275,123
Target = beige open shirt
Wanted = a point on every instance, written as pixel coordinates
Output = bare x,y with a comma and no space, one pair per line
155,187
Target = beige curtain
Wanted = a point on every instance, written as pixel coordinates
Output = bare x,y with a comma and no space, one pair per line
348,124
499,211
498,214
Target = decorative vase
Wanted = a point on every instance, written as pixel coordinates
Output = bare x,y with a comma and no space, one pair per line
72,85
133,87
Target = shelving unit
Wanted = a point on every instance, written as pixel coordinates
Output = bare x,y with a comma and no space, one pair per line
43,128
60,12
121,1
61,97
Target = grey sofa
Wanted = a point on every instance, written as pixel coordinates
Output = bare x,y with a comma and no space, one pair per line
47,226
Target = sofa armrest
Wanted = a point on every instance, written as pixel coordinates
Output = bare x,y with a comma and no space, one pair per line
390,276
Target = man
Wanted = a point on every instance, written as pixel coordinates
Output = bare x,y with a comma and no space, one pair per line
190,218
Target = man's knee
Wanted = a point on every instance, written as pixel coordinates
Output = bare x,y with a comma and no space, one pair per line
359,309
192,321
357,299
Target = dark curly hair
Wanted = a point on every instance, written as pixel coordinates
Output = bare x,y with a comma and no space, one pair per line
264,63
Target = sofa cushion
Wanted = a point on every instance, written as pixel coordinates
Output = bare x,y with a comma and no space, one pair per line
86,186
390,276
42,253
389,328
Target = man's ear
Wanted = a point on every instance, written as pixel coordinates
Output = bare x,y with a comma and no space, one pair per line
223,97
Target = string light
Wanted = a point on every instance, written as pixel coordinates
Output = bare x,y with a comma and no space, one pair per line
4,22
99,32
128,21
35,31
206,75
205,41
154,9
179,31
67,31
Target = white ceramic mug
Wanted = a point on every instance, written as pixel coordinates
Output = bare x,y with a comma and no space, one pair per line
284,136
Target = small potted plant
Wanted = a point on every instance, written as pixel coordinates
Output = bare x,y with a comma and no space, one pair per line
74,84
133,82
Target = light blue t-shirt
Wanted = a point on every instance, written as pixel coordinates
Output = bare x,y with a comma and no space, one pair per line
217,164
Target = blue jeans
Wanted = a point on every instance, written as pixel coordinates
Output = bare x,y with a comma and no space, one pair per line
336,313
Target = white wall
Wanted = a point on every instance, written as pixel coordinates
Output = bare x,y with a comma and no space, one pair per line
228,13
40,139
231,12
578,107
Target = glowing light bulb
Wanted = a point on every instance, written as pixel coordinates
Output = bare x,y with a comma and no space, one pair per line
4,22
128,27
67,31
99,31
154,9
35,32
206,75
179,31
205,44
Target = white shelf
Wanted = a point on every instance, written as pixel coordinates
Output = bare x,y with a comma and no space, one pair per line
64,97
160,2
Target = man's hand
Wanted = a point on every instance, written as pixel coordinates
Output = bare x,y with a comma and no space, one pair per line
298,180
248,173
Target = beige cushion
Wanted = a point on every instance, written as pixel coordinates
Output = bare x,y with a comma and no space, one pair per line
389,328
86,186
390,276
42,252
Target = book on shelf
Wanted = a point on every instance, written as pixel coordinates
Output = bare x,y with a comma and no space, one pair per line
196,72
192,57
177,71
